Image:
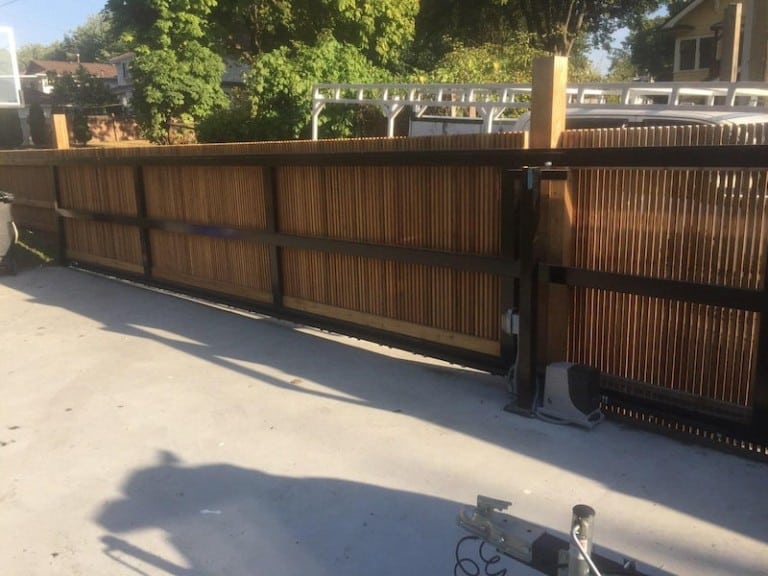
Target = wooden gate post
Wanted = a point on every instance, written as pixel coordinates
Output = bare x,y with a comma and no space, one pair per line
556,248
555,233
60,131
550,81
729,61
60,140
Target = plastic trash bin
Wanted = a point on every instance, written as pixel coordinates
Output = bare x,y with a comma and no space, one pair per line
9,235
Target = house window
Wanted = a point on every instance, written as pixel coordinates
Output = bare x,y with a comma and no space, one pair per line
697,53
707,52
688,54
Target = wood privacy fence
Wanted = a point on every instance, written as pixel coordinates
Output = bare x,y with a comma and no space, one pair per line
641,252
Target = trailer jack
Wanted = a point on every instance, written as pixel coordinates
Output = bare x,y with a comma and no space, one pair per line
532,544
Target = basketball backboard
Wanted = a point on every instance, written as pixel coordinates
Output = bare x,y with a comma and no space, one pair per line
10,84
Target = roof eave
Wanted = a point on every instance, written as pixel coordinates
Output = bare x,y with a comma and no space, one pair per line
673,21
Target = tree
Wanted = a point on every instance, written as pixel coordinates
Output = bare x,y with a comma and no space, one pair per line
176,75
442,25
249,28
382,30
647,52
170,86
94,41
38,128
82,91
29,52
277,102
508,62
558,24
280,87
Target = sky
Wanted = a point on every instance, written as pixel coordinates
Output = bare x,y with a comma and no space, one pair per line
45,21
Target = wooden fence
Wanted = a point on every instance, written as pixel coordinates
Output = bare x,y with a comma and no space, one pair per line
418,237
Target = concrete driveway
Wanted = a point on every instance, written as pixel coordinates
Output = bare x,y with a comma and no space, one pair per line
141,433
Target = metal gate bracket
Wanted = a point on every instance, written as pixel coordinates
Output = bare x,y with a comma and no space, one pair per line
510,535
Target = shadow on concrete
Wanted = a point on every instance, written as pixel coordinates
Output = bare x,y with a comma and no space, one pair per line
222,519
690,479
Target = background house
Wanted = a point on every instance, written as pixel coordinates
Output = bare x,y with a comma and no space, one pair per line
698,30
123,88
39,75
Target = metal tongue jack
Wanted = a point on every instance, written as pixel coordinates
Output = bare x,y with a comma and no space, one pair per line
534,545
578,557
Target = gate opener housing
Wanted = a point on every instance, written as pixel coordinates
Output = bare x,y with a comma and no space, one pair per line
571,395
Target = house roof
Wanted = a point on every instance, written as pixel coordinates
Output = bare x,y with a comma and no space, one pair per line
674,20
125,57
61,68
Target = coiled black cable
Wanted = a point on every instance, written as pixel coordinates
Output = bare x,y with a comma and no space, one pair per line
482,563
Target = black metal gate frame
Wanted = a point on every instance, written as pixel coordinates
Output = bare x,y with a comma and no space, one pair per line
520,273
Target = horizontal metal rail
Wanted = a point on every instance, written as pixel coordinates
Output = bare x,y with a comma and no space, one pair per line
464,262
729,156
695,293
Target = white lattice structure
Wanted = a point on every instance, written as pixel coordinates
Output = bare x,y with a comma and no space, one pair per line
490,102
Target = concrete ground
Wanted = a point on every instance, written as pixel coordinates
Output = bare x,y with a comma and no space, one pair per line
146,434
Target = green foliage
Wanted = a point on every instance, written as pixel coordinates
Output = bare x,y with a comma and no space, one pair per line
38,128
29,52
444,25
95,41
249,28
81,132
175,85
382,30
176,75
82,91
233,124
487,63
159,23
280,87
510,62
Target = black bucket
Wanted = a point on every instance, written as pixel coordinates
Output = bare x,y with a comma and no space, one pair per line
9,235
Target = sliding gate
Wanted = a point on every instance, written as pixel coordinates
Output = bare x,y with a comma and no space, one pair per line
647,263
